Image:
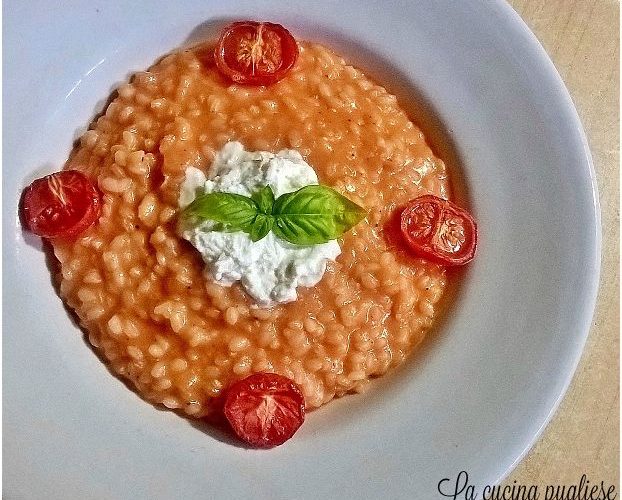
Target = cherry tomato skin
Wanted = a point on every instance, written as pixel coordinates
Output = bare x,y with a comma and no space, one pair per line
254,53
265,409
439,231
61,205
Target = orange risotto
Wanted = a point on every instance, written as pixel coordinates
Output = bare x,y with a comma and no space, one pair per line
138,288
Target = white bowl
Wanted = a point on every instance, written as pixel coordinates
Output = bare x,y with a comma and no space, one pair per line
486,384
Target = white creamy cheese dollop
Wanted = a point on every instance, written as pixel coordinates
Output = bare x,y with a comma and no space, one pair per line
269,269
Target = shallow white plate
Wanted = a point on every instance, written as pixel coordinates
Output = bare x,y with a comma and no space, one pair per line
485,385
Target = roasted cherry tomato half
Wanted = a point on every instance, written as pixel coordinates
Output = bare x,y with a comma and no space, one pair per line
439,231
61,205
254,53
265,409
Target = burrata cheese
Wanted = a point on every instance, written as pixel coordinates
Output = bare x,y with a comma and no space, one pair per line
269,269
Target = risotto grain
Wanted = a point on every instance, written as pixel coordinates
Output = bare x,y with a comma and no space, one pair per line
138,288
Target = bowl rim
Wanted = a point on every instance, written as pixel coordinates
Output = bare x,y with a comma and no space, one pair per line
514,19
591,290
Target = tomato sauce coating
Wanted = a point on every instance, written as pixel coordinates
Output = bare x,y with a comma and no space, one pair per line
138,289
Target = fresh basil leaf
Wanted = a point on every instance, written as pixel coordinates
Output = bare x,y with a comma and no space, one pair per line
264,199
261,226
313,215
235,211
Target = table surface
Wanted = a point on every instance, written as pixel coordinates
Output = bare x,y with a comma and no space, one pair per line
582,39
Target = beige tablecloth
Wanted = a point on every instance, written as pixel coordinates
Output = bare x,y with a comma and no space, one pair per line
582,39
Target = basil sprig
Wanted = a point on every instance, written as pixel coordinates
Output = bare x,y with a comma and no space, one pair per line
309,216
